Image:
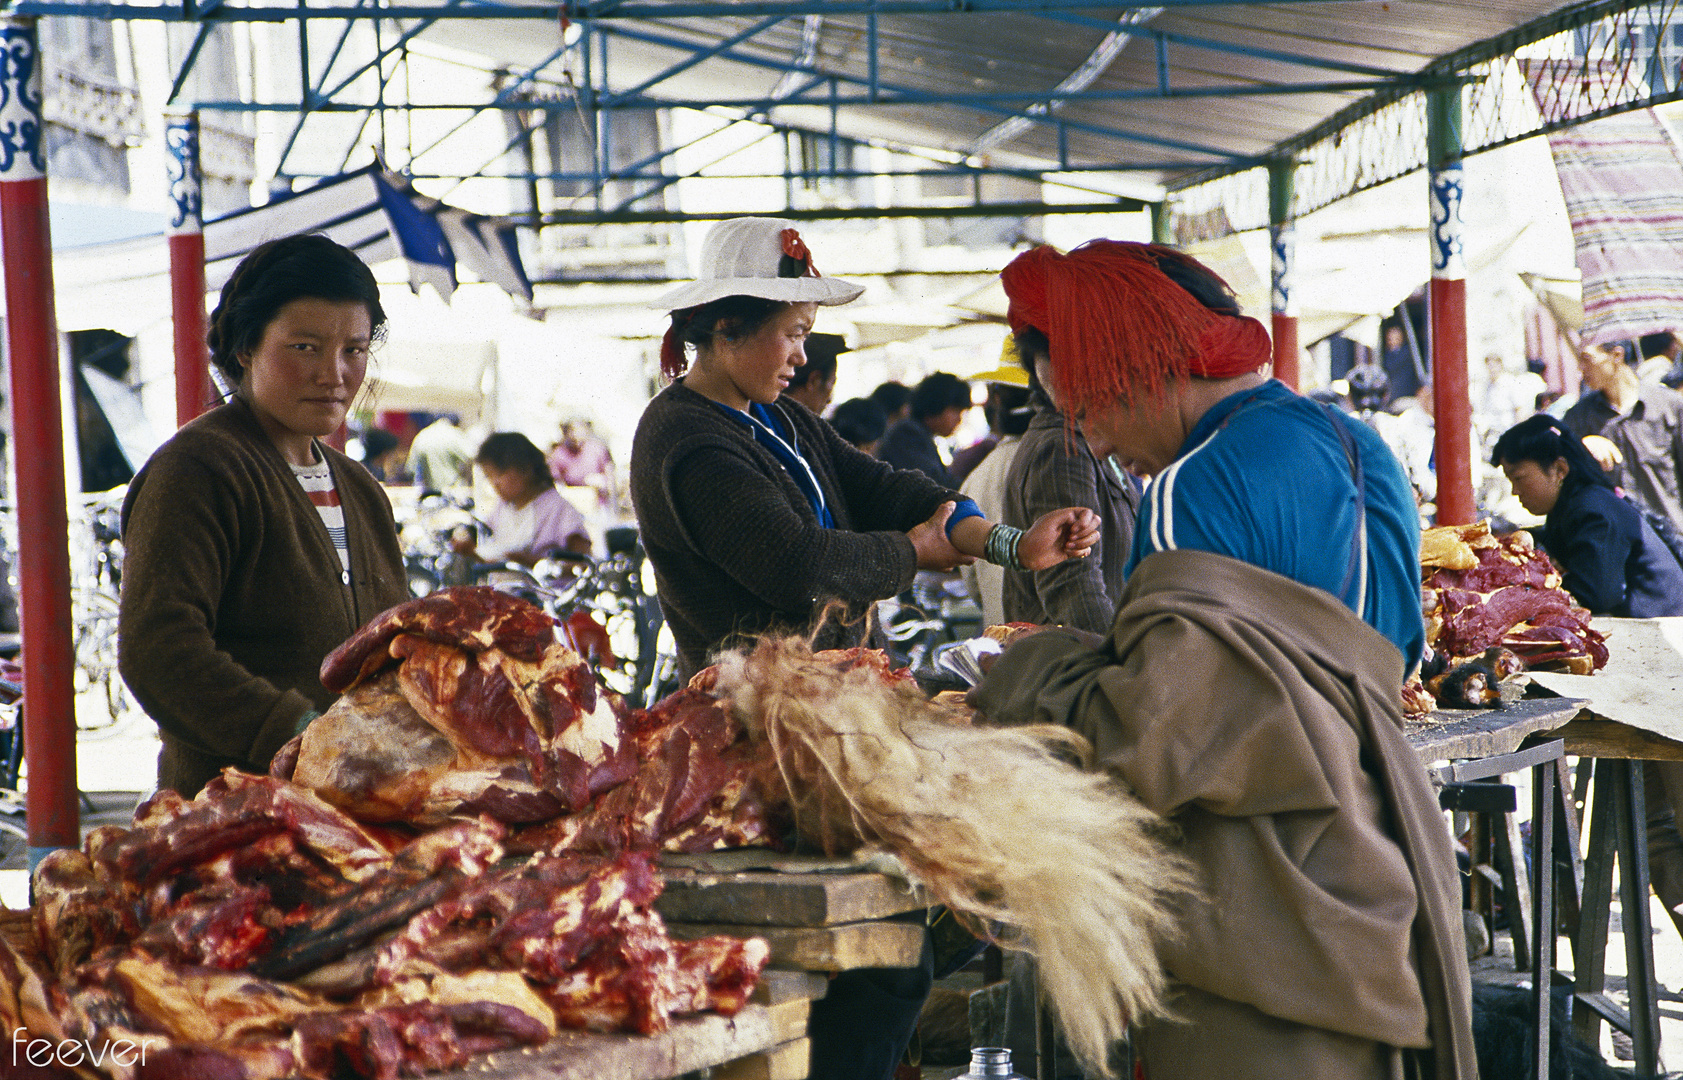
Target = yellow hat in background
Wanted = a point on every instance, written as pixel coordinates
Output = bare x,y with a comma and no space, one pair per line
1010,370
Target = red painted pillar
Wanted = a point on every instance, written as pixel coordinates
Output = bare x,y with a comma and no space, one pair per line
1282,237
1452,407
37,450
187,267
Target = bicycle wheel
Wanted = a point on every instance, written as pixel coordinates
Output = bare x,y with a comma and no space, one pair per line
620,619
102,698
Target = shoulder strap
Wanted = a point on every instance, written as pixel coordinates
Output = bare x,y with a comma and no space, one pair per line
1355,571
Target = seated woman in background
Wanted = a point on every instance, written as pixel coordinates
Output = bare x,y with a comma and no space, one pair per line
1613,563
1611,560
532,518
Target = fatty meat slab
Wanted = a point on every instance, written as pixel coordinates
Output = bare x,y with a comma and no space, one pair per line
456,704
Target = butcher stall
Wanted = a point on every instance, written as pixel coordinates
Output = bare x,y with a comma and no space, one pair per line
1521,679
480,863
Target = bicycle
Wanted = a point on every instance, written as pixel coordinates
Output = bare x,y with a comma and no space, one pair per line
603,610
936,610
425,531
14,832
96,559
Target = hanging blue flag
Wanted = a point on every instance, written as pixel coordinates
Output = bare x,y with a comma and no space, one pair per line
422,241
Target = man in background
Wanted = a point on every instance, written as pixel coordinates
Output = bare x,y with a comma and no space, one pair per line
938,406
441,457
1640,427
895,400
814,383
1662,359
1054,462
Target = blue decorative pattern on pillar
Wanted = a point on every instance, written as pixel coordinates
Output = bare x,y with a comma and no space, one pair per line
21,154
181,162
1448,255
1282,241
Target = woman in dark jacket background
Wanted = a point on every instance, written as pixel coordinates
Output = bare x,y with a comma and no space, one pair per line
1613,563
1610,558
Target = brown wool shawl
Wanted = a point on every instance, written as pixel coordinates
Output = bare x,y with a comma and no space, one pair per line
1262,716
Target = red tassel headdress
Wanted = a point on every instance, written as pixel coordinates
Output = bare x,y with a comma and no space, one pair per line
1117,326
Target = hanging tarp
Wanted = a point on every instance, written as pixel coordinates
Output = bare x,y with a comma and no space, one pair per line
369,211
1622,179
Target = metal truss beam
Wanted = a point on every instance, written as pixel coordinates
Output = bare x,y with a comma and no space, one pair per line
1577,64
762,104
802,175
1164,38
840,213
667,41
188,11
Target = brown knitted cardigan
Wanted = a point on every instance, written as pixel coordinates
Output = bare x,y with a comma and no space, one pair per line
233,592
737,549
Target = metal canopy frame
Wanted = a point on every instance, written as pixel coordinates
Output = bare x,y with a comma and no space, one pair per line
1372,140
1575,65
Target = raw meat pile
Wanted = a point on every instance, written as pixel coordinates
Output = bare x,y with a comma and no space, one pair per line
1493,606
1485,591
462,703
350,915
257,932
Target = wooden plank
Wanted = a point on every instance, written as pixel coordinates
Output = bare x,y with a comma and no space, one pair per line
1590,736
773,899
775,986
826,948
1482,733
791,1061
788,1020
737,860
691,1043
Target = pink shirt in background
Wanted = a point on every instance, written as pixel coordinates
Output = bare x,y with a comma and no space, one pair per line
577,466
539,527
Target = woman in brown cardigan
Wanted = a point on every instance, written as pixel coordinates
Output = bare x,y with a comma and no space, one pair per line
252,549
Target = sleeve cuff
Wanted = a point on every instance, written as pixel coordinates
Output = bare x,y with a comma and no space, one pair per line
966,508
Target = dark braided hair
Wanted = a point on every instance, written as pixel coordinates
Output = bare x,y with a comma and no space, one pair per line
512,450
1545,440
271,277
735,318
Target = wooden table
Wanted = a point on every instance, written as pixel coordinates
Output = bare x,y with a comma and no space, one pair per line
820,916
1537,733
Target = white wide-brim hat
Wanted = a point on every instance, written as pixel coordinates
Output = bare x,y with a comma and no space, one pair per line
740,257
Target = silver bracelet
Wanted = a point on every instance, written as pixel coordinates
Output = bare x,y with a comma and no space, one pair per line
1001,547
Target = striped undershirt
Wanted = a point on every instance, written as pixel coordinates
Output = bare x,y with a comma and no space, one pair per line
317,481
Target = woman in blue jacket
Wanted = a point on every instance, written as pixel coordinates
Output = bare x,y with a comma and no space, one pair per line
1613,563
1610,558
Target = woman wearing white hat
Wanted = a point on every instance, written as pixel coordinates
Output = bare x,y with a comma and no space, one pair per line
757,515
754,512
